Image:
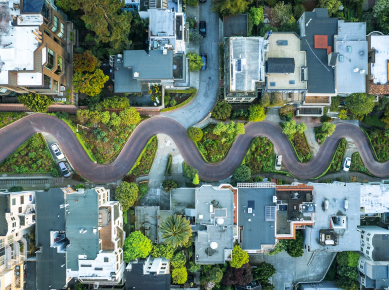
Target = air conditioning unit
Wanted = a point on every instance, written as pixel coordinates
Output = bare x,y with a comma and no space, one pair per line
274,199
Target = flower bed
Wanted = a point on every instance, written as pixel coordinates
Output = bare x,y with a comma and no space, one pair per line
301,147
380,143
358,165
191,93
260,157
7,118
146,158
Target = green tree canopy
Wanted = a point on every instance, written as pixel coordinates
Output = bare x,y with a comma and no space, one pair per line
257,113
242,173
219,128
169,184
162,251
176,230
239,129
179,275
332,5
289,128
195,134
328,128
130,116
196,180
196,38
239,257
188,171
195,61
178,260
115,102
282,13
295,247
127,194
347,258
221,111
263,272
89,83
230,7
256,15
36,102
85,62
136,246
215,275
298,10
105,117
301,128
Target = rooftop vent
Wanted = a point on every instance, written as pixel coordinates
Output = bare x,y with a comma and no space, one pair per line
356,69
136,75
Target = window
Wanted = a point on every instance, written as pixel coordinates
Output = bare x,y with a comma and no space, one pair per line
22,199
14,201
14,225
163,268
86,265
62,31
1,243
20,209
362,249
3,90
272,84
247,98
106,260
50,59
55,26
57,40
367,239
368,234
99,269
367,252
47,32
60,65
30,197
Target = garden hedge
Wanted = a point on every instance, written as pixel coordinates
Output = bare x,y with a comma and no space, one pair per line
193,91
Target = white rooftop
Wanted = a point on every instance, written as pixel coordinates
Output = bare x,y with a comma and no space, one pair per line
375,198
379,69
161,21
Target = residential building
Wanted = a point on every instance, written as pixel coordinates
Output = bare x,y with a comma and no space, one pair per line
253,285
80,235
37,48
350,58
337,216
235,25
378,76
139,276
373,264
286,66
244,68
374,198
17,219
325,285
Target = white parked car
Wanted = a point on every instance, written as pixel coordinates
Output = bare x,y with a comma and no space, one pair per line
346,164
64,169
58,153
278,162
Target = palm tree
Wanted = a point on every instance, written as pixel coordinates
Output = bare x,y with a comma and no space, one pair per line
176,230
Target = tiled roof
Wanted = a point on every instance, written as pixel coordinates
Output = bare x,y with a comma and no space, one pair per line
301,186
379,89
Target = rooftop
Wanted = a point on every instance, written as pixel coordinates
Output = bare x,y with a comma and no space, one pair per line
374,198
182,198
235,25
381,246
161,22
379,69
146,221
136,280
333,215
325,285
246,63
257,231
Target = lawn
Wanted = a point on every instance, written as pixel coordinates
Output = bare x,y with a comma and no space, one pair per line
380,144
212,147
300,144
32,156
260,156
337,159
7,118
146,158
358,165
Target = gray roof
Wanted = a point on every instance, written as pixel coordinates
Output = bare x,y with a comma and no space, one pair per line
321,77
376,271
136,280
4,205
325,285
124,83
31,6
151,66
31,275
146,222
381,246
182,198
256,232
83,211
351,31
336,193
49,217
280,65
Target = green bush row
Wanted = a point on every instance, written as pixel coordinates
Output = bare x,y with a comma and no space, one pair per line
169,166
193,91
141,154
371,144
329,165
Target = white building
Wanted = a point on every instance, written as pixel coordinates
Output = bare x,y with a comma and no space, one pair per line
374,198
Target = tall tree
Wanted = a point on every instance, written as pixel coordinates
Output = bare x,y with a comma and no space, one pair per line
176,230
221,111
381,13
332,6
127,194
360,104
239,257
230,7
257,113
130,116
195,61
263,272
179,275
282,13
136,246
36,102
88,83
85,62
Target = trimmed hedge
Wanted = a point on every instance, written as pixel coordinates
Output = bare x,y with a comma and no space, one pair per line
169,166
329,165
141,154
371,144
192,91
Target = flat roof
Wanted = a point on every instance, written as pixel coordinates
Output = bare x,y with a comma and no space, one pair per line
124,82
375,198
146,221
161,21
336,194
182,198
257,231
246,63
235,25
381,246
379,69
135,279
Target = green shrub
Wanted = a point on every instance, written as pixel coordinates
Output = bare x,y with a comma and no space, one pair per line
195,134
242,173
80,185
373,121
15,189
143,187
169,166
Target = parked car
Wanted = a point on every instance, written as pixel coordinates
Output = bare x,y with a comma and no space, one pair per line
203,28
204,58
278,162
347,164
203,1
57,151
64,169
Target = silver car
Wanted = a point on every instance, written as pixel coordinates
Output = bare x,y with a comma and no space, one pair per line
64,169
278,162
57,151
347,164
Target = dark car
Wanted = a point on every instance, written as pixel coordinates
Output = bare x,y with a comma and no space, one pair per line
203,28
204,58
203,1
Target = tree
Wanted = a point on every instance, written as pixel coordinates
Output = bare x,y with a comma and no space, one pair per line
176,230
136,246
169,184
196,180
105,117
115,120
127,194
257,113
298,10
239,129
239,257
332,5
328,128
130,116
265,99
262,33
301,128
237,276
256,15
343,115
346,283
196,37
88,83
219,128
229,7
379,7
178,260
85,62
95,117
188,171
295,247
381,13
179,275
162,251
263,272
242,173
195,134
347,258
195,61
276,99
385,118
289,128
193,267
82,116
79,286
215,275
36,102
221,111
115,102
282,13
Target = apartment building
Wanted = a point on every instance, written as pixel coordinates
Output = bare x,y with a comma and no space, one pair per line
36,50
16,220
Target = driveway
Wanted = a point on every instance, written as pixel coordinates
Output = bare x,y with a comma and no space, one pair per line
209,79
12,136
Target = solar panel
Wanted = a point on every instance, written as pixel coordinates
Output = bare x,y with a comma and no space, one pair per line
270,213
239,65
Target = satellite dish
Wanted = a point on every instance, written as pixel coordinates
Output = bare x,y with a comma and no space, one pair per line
213,245
220,221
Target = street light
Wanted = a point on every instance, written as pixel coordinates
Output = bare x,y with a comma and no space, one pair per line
81,126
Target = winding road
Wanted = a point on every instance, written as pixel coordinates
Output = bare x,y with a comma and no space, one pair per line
13,135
